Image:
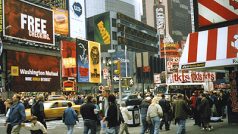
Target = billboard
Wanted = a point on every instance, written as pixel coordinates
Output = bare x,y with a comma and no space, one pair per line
82,61
28,22
215,12
77,19
68,52
102,28
61,21
30,75
1,16
160,19
94,62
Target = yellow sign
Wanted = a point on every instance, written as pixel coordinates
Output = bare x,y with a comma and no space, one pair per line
14,71
94,62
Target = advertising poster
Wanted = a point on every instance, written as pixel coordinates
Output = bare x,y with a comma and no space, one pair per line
30,75
102,28
82,61
94,62
68,52
28,22
77,19
1,16
61,21
160,20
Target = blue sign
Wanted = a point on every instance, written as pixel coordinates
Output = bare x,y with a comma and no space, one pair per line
77,9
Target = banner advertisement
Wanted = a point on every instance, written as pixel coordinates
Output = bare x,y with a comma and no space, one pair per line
1,16
170,50
30,75
193,77
77,19
172,64
68,52
102,28
28,22
160,20
82,61
61,21
94,62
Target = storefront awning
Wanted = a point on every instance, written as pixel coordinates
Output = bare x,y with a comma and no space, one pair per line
211,48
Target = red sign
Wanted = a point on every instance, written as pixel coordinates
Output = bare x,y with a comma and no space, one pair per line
68,59
193,77
33,72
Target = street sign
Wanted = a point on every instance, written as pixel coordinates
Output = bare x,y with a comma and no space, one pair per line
116,78
105,73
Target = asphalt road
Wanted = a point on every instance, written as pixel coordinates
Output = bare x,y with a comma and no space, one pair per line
57,127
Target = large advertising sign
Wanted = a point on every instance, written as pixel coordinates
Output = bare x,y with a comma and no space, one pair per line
1,16
77,19
61,21
28,22
33,72
160,20
193,77
94,62
102,28
215,11
68,52
82,61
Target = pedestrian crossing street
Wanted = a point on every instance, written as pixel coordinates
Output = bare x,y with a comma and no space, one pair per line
50,124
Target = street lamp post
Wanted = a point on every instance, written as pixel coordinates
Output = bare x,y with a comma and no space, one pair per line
168,39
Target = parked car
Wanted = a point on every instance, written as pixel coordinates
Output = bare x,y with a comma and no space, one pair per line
54,109
131,100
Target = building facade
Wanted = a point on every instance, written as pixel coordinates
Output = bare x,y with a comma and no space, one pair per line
129,7
177,17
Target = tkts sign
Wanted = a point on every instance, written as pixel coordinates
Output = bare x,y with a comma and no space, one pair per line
26,21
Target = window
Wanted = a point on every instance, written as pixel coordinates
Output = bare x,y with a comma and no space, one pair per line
114,22
114,35
64,104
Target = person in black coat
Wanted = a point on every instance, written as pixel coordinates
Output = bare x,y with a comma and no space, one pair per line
205,112
113,116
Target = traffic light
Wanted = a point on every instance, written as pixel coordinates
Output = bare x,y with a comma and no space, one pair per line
118,67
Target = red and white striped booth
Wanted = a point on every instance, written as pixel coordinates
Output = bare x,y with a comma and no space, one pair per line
211,48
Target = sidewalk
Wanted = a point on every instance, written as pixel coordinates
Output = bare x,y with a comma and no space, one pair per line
219,128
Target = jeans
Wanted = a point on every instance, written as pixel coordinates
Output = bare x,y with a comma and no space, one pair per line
181,126
156,123
70,129
144,126
113,130
90,125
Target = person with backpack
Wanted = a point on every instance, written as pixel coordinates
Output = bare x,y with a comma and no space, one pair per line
37,110
165,105
69,118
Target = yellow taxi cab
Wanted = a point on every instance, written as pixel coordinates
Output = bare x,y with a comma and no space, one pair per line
54,109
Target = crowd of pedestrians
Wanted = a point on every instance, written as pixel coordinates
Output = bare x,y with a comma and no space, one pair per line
103,115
